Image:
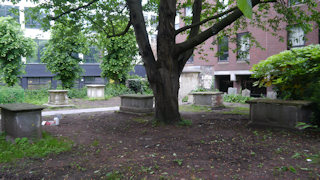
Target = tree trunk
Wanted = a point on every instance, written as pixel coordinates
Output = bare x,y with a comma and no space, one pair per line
166,96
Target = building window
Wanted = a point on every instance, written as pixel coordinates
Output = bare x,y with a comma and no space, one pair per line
31,18
295,37
188,11
177,21
190,60
154,22
243,43
12,11
39,82
92,56
223,48
36,57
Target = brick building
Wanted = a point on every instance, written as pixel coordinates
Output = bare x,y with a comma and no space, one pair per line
232,69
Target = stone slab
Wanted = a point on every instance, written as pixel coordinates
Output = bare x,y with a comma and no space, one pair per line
20,122
279,113
21,107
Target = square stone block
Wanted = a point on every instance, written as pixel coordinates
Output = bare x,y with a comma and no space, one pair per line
279,113
213,99
138,104
21,120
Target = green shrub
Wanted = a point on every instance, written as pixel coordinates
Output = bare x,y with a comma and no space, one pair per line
77,93
185,99
36,96
116,90
235,98
23,148
11,94
139,85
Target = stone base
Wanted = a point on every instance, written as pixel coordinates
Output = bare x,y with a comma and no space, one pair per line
57,106
212,99
136,104
139,111
278,113
21,120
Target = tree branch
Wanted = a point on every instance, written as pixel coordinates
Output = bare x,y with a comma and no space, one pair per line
73,10
136,16
205,20
215,29
123,32
196,11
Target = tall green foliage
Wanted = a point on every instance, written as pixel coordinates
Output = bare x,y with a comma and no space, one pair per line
293,73
13,45
121,52
61,53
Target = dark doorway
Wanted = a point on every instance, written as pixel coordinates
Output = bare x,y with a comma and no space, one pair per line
247,83
224,83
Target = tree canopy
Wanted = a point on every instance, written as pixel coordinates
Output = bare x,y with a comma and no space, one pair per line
61,53
13,45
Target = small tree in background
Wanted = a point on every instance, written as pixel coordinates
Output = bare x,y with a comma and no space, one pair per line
120,55
13,45
61,53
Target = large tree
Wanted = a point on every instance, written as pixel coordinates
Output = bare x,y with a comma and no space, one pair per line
209,18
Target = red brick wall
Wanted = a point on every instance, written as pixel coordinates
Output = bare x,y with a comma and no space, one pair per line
271,44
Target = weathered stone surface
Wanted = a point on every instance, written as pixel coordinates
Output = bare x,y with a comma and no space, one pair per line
213,99
95,91
232,90
246,93
189,80
134,103
58,98
272,95
21,120
279,113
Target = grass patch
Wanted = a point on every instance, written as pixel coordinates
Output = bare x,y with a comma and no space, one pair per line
140,120
23,148
38,97
194,108
238,110
236,98
185,122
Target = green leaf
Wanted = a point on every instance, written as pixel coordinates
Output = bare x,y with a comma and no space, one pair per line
246,7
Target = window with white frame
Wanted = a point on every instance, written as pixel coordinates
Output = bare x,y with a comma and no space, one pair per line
154,22
188,11
32,18
36,56
243,43
177,21
223,49
6,10
295,37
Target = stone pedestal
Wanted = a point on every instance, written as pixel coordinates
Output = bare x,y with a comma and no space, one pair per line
21,120
279,113
213,99
95,91
137,104
58,98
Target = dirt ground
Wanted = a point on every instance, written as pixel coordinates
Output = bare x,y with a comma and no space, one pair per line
216,146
